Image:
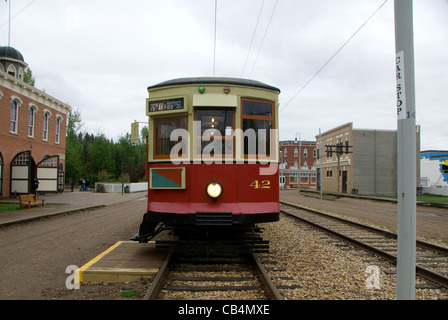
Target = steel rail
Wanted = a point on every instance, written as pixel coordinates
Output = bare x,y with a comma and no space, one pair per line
421,271
421,244
271,289
156,284
266,282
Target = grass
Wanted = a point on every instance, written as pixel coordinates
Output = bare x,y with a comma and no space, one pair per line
432,198
130,293
8,207
426,198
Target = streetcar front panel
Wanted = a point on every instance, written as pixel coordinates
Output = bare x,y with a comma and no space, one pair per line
212,152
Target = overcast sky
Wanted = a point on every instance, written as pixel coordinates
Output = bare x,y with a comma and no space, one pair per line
100,56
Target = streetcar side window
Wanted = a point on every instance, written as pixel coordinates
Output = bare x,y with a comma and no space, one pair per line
257,115
215,135
162,132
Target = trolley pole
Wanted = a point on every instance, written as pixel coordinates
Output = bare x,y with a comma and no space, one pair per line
406,150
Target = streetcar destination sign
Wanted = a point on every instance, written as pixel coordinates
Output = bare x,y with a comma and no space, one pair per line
166,105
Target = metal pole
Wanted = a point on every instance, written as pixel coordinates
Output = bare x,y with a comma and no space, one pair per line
299,178
282,184
214,46
9,25
320,156
406,150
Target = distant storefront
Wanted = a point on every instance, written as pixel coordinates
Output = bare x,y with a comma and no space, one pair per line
297,164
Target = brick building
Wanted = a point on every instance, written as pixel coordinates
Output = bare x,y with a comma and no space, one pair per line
32,132
291,154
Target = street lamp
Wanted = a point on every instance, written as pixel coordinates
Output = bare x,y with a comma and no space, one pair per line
299,178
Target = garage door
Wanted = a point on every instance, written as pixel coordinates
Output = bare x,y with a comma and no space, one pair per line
20,173
47,174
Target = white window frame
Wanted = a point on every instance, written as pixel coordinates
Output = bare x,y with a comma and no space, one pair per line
12,71
46,125
14,123
58,129
32,126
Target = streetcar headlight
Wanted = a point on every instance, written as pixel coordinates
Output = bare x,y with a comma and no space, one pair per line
214,189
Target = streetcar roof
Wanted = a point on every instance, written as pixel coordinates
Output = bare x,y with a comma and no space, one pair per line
215,80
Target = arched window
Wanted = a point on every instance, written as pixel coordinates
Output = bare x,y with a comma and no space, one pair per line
58,129
14,116
47,115
31,120
22,159
12,70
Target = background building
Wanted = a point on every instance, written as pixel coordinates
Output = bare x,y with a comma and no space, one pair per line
360,161
293,153
32,131
434,172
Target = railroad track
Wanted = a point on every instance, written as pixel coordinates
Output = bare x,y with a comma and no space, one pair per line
212,276
432,260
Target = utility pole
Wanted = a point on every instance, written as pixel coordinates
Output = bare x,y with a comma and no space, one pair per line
299,178
406,153
320,156
9,25
339,149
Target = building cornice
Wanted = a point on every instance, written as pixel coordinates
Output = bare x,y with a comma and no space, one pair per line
24,89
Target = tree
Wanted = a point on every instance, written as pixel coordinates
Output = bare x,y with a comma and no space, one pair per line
74,164
75,123
95,157
28,77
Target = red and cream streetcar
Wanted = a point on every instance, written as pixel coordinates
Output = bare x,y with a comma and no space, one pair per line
212,155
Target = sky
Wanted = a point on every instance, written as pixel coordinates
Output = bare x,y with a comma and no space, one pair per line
100,57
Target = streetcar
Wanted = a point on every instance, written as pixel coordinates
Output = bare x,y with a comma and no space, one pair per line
212,155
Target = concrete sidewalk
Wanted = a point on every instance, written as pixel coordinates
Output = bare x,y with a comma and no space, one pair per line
67,202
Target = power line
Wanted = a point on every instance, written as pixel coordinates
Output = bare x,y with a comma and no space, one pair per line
266,31
19,12
253,36
334,55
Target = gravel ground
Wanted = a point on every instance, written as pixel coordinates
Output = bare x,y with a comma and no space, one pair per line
329,272
37,253
432,223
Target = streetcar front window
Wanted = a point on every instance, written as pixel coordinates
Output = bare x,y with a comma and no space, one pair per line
257,117
216,131
162,132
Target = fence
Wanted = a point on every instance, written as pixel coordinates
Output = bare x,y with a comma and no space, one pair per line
121,187
436,190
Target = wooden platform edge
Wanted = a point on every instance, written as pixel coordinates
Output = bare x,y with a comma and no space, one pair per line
82,271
